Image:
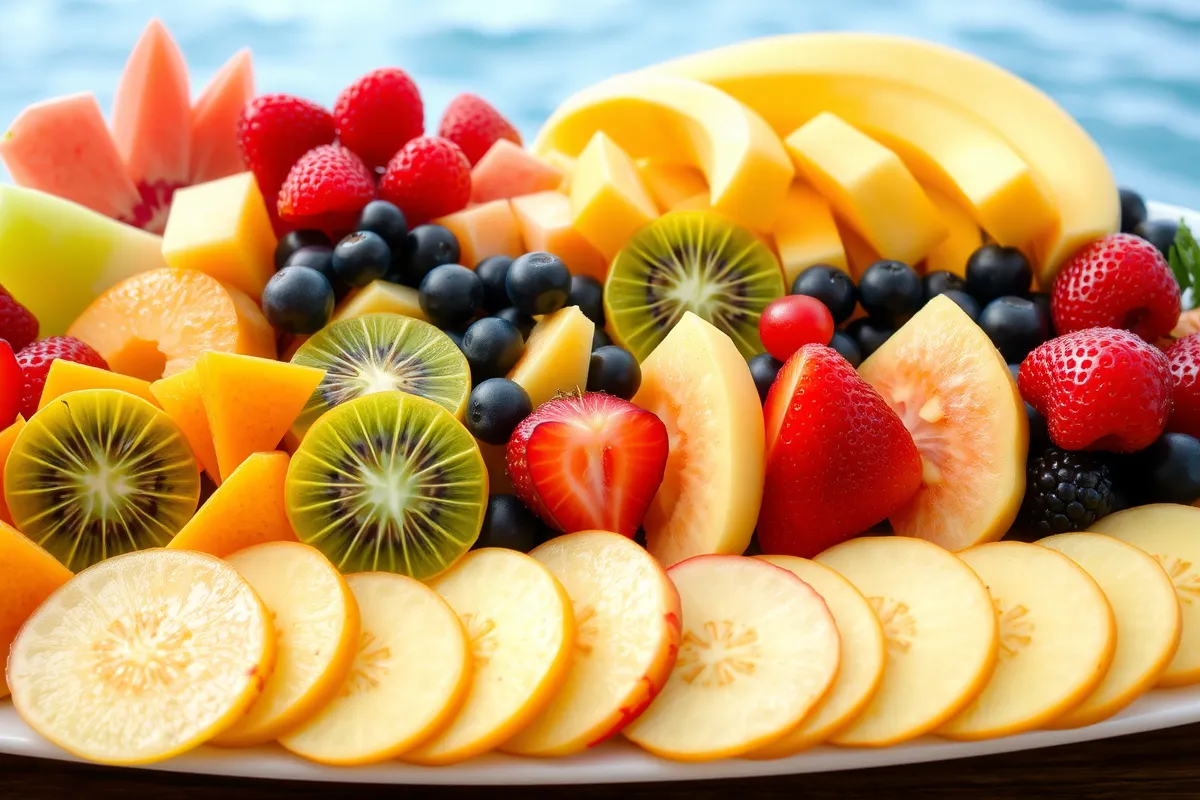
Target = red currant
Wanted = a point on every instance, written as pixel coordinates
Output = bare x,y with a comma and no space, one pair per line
10,385
793,321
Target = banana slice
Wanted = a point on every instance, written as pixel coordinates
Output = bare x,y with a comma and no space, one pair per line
759,651
142,657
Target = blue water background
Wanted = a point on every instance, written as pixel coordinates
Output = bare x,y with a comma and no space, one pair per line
1129,70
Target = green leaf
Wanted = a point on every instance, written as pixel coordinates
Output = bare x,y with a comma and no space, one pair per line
1184,258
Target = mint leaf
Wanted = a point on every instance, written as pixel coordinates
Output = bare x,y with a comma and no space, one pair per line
1184,258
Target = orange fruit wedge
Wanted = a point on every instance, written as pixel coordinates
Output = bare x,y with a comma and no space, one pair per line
30,576
7,437
67,376
179,396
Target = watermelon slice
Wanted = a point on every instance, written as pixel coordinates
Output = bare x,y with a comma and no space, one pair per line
215,115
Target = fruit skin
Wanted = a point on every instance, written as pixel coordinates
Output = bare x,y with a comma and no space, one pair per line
522,322
11,386
764,368
292,241
790,322
831,286
427,246
1066,492
1120,281
274,131
495,409
493,271
1099,389
361,257
538,283
475,125
31,575
385,219
378,114
493,346
615,371
429,177
890,291
587,293
1168,471
870,334
298,300
940,282
450,295
509,524
1015,326
320,258
35,361
1160,233
846,347
326,188
994,271
1184,358
1133,210
839,460
18,325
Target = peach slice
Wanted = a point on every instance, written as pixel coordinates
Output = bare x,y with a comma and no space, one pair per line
759,651
409,676
627,634
522,633
863,658
30,576
940,629
1057,638
1148,619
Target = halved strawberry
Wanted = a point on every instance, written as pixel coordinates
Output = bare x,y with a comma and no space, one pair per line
11,385
589,462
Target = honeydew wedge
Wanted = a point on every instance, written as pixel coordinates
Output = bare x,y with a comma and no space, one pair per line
557,355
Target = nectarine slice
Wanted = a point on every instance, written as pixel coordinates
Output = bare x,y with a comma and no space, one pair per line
1057,638
626,637
940,632
759,651
30,576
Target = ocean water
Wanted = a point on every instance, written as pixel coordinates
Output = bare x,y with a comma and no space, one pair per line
1129,70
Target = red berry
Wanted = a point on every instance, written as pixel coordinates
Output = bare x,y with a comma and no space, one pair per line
18,325
274,130
1099,389
1120,281
326,189
35,361
11,386
377,114
1184,358
475,125
430,177
789,323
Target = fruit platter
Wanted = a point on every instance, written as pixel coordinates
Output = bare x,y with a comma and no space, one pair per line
818,402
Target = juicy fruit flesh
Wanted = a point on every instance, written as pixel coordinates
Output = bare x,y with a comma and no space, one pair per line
31,575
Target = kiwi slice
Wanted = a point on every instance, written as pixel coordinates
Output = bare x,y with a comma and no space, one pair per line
388,482
694,261
383,353
100,472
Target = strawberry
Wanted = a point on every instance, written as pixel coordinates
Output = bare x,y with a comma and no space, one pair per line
35,361
11,386
588,462
1120,281
475,125
1184,358
430,177
326,189
839,459
378,113
274,130
18,325
1099,389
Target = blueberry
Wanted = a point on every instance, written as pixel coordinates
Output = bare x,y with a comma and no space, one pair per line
940,282
1039,431
1015,326
1169,470
890,291
426,247
298,300
600,339
450,295
493,271
538,283
386,220
294,240
495,409
847,348
1160,233
588,293
614,370
994,271
831,286
509,524
492,347
1042,301
523,322
320,258
1133,210
964,301
869,333
455,337
361,258
763,368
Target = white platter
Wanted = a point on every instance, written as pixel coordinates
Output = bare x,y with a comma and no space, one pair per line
621,762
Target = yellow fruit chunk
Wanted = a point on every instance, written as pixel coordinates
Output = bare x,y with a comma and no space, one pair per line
1147,614
759,650
940,631
30,576
669,184
67,376
564,163
316,634
1057,638
964,238
696,202
522,636
487,229
626,637
608,201
859,253
246,510
222,229
1168,532
545,223
698,384
868,185
179,396
251,402
861,667
381,297
7,437
806,234
557,355
142,657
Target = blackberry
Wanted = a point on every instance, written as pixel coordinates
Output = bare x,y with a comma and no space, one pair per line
1066,492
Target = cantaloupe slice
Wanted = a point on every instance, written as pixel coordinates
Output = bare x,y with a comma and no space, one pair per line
67,376
251,402
7,437
484,230
509,170
544,220
30,576
214,150
179,396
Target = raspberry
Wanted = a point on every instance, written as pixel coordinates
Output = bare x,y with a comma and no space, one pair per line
430,177
377,114
1184,358
326,189
1066,492
274,130
475,125
35,361
18,325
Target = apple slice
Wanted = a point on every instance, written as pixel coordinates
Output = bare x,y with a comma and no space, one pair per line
1169,533
410,675
759,651
1147,614
627,634
522,633
863,658
1057,638
940,629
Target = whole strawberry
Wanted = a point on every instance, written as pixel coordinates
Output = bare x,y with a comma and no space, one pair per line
326,189
1120,281
18,325
430,177
1184,358
35,360
378,113
274,130
1099,389
475,125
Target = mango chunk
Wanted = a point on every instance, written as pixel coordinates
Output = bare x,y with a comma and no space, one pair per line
609,203
806,233
67,376
544,220
668,184
30,576
965,237
483,231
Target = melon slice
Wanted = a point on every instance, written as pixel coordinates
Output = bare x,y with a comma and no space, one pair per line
509,170
952,389
483,231
964,237
545,225
7,437
557,355
671,184
214,151
179,396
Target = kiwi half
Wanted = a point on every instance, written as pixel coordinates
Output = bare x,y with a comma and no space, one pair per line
383,353
388,482
694,261
100,472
